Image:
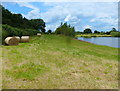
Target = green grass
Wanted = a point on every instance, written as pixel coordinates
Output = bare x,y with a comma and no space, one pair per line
58,62
0,68
27,71
93,35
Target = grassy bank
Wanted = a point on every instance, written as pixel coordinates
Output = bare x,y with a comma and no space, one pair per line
56,62
93,35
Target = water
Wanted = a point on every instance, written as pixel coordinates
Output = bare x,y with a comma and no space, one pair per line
107,41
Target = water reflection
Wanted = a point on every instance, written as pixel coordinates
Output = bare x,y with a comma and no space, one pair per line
108,41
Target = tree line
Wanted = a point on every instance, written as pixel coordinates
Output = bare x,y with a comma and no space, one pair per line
67,30
112,32
17,25
89,31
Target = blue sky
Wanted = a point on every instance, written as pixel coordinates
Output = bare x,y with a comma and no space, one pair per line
95,15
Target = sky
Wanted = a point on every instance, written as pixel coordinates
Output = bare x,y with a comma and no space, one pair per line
101,16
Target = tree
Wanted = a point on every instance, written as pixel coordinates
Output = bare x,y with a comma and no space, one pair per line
87,31
96,32
49,31
108,32
102,32
65,29
18,21
114,30
115,34
38,24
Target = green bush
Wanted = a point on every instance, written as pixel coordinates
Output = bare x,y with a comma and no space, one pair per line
30,32
4,35
66,30
87,31
11,31
18,32
115,34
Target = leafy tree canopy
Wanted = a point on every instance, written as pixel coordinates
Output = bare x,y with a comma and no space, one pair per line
97,32
49,31
65,29
87,31
17,20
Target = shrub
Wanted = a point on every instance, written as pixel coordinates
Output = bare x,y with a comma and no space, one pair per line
115,34
65,29
4,35
18,32
49,31
87,31
11,31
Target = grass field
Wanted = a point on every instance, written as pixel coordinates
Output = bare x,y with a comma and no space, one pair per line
57,62
0,68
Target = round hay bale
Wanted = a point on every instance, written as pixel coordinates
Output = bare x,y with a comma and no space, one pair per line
18,38
39,34
11,41
25,39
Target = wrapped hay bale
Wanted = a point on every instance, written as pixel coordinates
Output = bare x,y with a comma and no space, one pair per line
18,38
24,39
11,41
39,34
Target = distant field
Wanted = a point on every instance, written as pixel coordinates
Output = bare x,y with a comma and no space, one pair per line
93,35
57,62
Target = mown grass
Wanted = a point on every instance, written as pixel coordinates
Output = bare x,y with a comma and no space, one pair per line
93,35
0,68
58,62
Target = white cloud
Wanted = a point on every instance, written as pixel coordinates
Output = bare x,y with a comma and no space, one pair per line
87,26
53,26
93,20
59,0
34,13
73,19
67,18
79,14
26,4
108,20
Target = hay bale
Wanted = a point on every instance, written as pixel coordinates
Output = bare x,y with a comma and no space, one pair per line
11,41
25,39
39,34
18,38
